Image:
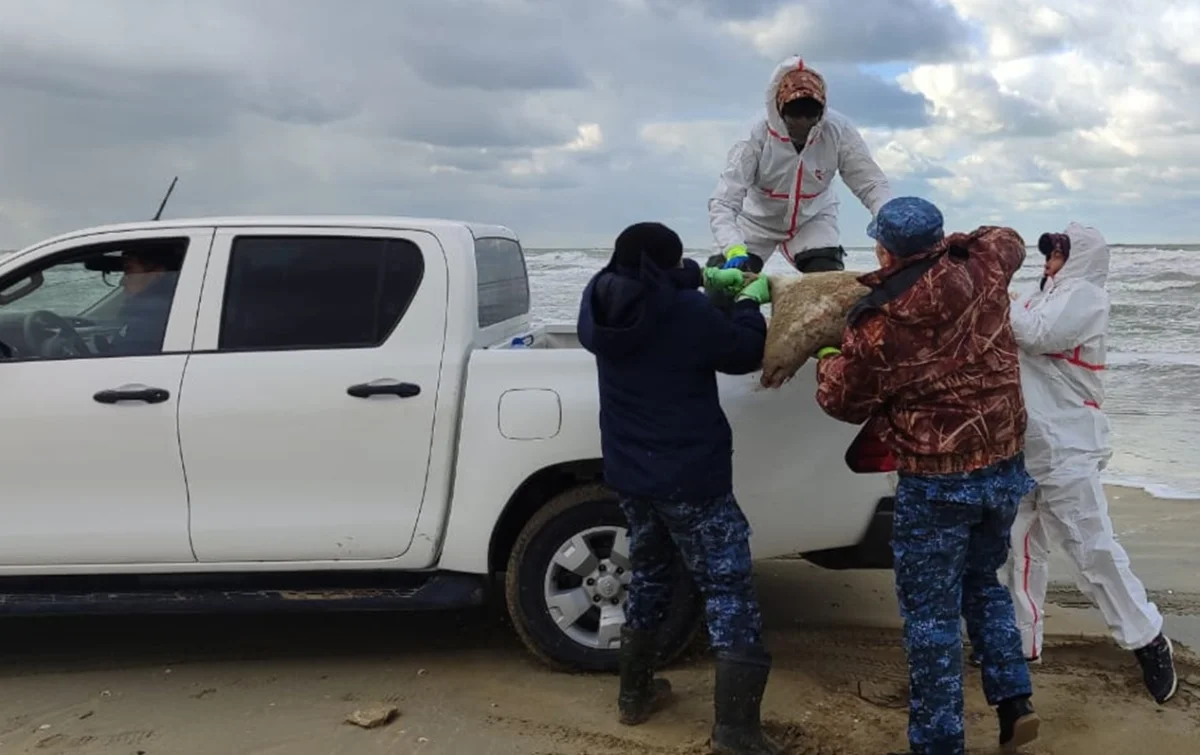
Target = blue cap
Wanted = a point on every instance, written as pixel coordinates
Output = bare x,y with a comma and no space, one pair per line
907,225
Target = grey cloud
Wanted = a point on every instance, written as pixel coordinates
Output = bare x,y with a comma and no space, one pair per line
466,130
1189,71
879,31
1024,118
483,69
871,101
722,9
476,160
457,44
540,182
446,119
314,99
418,107
46,121
927,171
916,185
164,101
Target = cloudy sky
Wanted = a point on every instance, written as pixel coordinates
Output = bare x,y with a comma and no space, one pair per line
567,119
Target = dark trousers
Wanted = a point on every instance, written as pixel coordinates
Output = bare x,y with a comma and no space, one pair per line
823,260
951,535
713,538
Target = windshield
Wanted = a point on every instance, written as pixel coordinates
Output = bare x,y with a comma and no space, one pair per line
68,288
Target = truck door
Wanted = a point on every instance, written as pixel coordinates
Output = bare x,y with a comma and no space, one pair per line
94,334
307,411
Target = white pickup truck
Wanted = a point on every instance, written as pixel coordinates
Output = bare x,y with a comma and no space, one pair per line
351,413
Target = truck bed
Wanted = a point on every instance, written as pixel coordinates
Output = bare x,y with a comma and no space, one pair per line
546,336
791,473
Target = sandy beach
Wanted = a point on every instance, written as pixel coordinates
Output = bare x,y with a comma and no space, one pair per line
463,684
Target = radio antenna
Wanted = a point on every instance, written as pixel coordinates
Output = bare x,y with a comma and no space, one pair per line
171,188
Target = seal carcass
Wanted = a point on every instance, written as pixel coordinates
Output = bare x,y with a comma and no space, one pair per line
808,312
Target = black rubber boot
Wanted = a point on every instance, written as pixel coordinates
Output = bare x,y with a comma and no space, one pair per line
641,694
741,681
1018,723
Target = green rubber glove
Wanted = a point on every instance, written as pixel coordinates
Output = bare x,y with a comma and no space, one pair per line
736,256
728,281
828,351
759,291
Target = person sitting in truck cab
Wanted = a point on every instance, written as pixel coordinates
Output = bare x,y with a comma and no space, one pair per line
149,276
668,449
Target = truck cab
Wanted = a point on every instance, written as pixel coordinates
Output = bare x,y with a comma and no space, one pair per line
355,413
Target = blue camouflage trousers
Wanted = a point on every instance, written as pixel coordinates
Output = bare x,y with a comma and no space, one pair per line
951,535
713,538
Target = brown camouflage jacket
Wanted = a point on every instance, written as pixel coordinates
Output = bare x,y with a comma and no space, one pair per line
933,364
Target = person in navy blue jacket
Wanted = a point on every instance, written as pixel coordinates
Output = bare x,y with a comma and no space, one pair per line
659,343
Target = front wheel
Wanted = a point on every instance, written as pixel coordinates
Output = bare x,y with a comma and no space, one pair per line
567,581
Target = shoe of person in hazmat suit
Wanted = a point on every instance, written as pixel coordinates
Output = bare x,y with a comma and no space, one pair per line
1061,328
668,454
776,188
928,361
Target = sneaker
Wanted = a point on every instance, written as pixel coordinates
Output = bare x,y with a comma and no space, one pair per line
1158,669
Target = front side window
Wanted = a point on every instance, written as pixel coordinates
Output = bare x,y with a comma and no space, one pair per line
111,299
317,292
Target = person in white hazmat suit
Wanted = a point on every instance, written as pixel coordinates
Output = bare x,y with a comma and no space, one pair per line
1061,329
776,189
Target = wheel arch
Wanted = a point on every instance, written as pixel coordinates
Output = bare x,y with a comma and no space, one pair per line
530,496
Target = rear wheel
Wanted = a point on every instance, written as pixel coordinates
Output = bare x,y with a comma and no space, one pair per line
567,582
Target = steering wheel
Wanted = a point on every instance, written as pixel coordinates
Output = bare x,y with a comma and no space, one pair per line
39,328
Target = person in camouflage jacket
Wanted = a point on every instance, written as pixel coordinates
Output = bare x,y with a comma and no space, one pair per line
929,362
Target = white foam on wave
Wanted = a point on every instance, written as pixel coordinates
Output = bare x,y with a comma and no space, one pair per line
1177,491
1152,412
1152,358
568,259
1159,286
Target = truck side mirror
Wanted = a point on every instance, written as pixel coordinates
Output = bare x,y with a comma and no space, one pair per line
31,284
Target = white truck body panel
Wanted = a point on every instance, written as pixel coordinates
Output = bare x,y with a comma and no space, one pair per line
260,462
789,472
281,464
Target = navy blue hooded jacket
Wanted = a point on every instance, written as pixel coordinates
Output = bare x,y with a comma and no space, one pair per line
659,343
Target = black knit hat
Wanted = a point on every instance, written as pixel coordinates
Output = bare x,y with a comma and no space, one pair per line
654,241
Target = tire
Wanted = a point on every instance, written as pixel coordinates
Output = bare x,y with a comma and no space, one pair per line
873,551
591,513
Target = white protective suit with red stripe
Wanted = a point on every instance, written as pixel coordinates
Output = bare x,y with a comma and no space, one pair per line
771,196
1061,331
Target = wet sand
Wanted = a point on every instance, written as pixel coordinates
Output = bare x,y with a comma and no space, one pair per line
463,683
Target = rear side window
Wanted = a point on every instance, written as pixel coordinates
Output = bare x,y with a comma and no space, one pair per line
316,292
503,284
